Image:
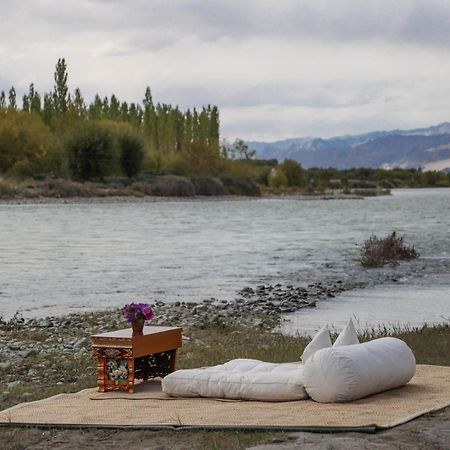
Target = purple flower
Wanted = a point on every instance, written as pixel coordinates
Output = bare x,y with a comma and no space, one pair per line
135,311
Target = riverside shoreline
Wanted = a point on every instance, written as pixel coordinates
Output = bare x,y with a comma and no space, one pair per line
155,199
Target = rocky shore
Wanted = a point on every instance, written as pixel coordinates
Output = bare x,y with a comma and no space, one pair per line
34,349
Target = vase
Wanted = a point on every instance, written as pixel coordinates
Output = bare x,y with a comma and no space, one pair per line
138,326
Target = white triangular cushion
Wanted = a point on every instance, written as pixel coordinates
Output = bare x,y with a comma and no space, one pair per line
321,340
348,335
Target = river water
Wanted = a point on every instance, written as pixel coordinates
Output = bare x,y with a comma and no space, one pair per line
58,257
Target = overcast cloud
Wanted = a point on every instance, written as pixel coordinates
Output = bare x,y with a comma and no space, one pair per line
276,69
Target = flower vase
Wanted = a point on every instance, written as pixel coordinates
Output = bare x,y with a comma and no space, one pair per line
138,326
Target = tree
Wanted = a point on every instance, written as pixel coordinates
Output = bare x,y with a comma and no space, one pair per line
2,100
25,104
241,150
92,152
78,106
47,111
24,142
12,99
294,173
277,178
131,154
61,91
34,99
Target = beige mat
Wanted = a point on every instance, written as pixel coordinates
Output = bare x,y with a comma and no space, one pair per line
142,391
428,391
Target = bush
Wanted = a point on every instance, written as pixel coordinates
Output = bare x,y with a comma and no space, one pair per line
24,142
92,152
131,154
7,189
208,186
172,186
377,252
240,186
60,188
294,173
277,178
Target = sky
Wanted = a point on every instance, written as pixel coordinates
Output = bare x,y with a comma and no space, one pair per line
275,68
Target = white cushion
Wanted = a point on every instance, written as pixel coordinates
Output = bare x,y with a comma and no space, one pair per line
321,340
347,336
246,379
342,374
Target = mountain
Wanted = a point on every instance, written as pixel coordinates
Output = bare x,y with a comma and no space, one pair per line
428,148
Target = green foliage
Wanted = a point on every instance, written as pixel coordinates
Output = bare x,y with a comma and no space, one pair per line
277,178
157,138
61,90
294,173
12,99
377,252
92,152
24,142
131,154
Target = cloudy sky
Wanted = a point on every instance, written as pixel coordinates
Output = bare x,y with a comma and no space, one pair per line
275,68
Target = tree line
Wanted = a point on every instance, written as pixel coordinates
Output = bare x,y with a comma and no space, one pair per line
60,134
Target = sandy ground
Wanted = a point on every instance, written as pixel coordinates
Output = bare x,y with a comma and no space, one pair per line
428,432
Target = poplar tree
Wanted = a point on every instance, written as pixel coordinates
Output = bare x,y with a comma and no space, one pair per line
2,100
25,103
12,99
47,110
61,91
34,99
114,108
78,105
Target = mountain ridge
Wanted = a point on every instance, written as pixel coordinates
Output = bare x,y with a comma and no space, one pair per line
426,148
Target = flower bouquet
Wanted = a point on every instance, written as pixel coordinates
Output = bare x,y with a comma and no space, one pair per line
137,314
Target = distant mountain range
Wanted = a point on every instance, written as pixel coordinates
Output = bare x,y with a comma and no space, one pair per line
428,148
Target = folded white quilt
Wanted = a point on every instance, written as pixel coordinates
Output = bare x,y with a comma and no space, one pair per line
246,379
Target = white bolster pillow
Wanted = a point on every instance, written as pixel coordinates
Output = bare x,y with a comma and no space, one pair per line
342,374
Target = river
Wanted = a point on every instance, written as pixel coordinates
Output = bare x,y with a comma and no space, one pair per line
61,257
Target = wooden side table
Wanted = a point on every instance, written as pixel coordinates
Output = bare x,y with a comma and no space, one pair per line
124,357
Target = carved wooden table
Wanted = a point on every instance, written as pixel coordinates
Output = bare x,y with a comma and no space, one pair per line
124,357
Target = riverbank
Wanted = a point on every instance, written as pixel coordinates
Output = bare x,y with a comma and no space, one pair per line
40,358
42,199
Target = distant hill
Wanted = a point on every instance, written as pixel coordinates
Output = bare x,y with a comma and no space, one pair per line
428,148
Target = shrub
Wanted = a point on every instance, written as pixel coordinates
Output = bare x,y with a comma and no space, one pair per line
131,154
24,142
277,178
240,186
172,186
142,187
7,189
60,188
208,186
294,173
377,252
92,152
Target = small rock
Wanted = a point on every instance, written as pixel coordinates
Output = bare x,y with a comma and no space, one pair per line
27,396
5,365
81,343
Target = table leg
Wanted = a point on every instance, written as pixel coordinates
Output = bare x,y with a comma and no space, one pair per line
130,362
173,360
101,374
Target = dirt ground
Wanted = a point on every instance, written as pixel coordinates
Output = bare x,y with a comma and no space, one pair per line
428,432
